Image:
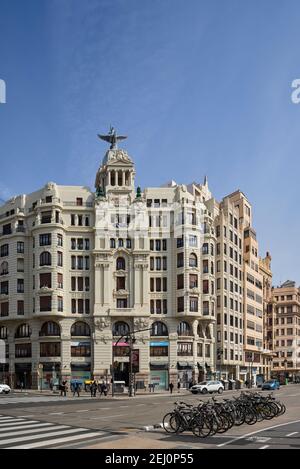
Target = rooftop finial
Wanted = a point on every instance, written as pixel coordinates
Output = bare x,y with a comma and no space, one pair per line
112,138
205,181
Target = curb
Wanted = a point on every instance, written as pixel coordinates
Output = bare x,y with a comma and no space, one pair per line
149,428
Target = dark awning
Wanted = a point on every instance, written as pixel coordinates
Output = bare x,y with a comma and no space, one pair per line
185,365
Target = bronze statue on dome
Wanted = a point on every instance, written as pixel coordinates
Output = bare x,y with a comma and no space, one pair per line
112,138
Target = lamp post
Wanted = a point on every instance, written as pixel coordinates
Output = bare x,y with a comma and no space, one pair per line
130,338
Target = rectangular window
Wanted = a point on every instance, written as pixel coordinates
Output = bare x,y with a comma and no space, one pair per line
205,286
22,350
79,218
20,285
180,259
45,239
87,306
180,304
45,280
87,262
165,306
158,351
20,310
180,281
59,280
73,303
193,281
120,283
80,306
59,240
82,350
80,283
122,303
59,259
20,247
4,250
50,349
4,288
193,304
45,303
46,217
184,349
60,304
165,287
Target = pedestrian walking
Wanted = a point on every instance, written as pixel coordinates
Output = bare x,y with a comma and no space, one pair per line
178,385
76,389
63,388
171,386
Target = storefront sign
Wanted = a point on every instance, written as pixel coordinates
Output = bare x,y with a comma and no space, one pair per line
159,344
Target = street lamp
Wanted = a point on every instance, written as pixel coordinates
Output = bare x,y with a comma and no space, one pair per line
130,339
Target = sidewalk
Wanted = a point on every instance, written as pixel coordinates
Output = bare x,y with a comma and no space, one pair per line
86,395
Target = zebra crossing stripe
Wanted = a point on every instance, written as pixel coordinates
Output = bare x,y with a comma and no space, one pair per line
58,441
38,437
32,425
16,422
35,430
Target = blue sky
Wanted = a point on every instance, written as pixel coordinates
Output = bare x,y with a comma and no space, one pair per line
199,86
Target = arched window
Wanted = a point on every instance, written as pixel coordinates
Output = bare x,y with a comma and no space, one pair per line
120,264
45,258
159,329
4,268
193,260
50,328
112,243
183,328
23,331
3,332
120,328
80,328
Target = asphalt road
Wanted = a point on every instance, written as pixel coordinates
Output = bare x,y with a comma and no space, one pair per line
84,421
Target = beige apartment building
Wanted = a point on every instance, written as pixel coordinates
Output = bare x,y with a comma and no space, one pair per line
284,317
80,270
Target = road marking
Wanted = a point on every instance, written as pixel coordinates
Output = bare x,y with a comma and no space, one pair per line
124,405
16,422
30,415
259,439
84,410
291,434
257,431
264,447
58,440
104,408
25,426
36,430
108,417
38,437
140,404
56,413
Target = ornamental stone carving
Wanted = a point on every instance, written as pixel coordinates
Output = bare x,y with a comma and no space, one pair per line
102,323
140,323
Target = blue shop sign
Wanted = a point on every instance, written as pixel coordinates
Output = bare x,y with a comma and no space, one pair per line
159,344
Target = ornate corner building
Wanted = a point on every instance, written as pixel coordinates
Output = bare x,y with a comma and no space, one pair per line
80,270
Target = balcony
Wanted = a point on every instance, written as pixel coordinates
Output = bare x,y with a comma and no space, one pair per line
74,204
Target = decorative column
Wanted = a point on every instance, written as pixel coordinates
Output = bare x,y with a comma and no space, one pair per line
123,177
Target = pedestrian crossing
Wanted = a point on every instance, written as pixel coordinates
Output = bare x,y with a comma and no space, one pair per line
22,433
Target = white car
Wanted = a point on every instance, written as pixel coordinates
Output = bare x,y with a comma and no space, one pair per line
207,386
4,388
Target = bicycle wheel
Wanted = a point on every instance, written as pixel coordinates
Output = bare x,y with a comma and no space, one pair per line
201,427
170,422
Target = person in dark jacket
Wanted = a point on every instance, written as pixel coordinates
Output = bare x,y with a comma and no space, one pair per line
171,386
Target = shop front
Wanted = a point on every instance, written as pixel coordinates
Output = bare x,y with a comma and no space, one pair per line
23,378
49,375
81,371
159,375
185,373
